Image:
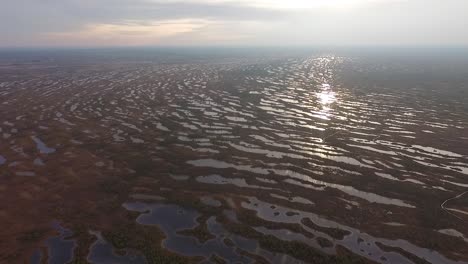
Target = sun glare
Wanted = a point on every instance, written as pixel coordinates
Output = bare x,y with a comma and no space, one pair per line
291,4
309,4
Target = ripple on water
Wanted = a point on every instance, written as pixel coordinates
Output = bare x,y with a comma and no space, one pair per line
225,165
454,233
36,257
173,218
102,252
41,146
371,197
437,151
368,248
218,179
210,201
60,248
26,173
38,162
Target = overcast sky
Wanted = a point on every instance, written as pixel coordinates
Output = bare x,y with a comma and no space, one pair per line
232,22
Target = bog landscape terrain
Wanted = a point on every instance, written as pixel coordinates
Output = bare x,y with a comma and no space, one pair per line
158,157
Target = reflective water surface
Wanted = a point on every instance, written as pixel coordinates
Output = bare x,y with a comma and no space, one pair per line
286,159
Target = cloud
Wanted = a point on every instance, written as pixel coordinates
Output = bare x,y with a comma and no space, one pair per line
247,22
128,33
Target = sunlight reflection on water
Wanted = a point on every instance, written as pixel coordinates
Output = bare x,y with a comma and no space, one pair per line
326,96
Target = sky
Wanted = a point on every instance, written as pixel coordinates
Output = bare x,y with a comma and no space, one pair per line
104,23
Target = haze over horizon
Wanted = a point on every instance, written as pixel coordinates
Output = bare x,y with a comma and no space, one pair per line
78,23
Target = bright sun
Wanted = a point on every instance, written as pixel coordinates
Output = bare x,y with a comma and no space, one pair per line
288,4
295,4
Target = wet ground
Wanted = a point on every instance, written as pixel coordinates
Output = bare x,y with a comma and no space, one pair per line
317,158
